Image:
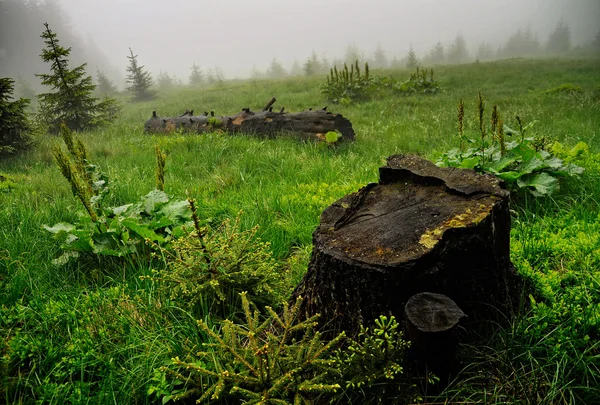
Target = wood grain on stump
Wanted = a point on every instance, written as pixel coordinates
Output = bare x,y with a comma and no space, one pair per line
421,228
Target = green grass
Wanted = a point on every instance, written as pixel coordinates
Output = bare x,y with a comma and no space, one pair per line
53,353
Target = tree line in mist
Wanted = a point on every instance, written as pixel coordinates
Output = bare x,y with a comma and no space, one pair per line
21,23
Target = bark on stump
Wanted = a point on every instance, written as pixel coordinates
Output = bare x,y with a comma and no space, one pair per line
310,124
421,228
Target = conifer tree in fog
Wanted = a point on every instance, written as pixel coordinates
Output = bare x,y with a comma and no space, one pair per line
196,77
105,85
139,80
71,101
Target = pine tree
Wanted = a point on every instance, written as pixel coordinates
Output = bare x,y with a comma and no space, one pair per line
458,52
379,58
411,59
276,70
105,85
72,101
165,81
559,41
196,77
140,80
14,127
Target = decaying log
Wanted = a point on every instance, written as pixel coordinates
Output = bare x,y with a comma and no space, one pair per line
309,124
421,228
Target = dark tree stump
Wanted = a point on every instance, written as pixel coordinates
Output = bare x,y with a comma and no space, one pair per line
309,124
421,228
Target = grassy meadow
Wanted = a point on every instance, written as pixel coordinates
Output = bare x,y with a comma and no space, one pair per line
94,331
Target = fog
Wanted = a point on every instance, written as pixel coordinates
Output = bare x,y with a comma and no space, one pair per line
238,35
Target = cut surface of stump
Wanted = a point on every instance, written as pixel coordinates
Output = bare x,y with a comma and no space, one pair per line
421,228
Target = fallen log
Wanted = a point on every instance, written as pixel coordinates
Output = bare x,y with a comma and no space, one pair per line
310,124
421,228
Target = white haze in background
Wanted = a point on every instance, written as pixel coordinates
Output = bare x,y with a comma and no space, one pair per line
238,35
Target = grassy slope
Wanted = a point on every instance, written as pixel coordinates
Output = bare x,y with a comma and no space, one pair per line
282,185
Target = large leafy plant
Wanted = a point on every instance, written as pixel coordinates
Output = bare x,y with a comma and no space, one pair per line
113,231
524,162
348,84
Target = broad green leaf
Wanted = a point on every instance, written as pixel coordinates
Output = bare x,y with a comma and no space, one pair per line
60,227
469,163
152,199
509,177
531,165
177,211
121,209
554,163
141,230
502,164
542,184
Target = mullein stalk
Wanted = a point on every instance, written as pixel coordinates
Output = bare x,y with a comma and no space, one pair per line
160,169
461,115
481,109
80,190
501,138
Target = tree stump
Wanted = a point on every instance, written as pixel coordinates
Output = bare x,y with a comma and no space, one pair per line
421,228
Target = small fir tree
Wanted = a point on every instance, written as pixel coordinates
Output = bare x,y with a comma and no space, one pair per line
379,58
196,77
411,59
139,80
14,127
165,81
458,52
276,70
72,102
105,85
559,40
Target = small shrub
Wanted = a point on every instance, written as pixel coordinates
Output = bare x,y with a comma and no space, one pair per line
372,365
524,163
566,88
349,85
279,360
208,268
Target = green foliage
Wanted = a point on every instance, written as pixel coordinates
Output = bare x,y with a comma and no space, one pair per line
6,183
112,231
523,163
105,86
196,76
14,126
279,360
566,88
372,365
349,85
208,268
139,80
57,347
72,102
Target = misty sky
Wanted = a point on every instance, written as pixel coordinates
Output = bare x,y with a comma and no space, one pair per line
241,34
